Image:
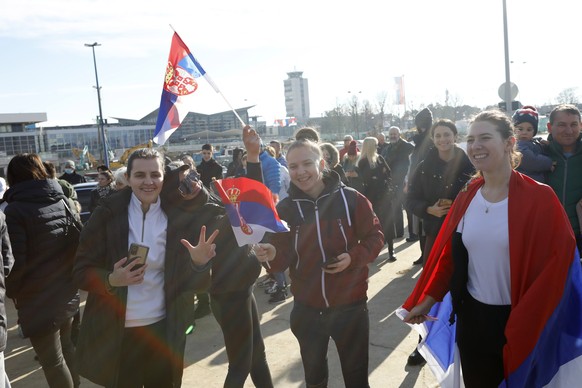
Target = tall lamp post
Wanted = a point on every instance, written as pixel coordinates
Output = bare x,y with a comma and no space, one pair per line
100,130
508,97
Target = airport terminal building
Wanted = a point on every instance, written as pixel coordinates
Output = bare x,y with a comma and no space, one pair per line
23,132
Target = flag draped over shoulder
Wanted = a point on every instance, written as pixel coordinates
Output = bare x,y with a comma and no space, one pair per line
179,85
250,209
544,329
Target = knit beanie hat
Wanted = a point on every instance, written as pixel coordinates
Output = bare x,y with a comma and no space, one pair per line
527,114
353,148
423,119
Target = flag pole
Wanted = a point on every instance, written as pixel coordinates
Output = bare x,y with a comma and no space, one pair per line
211,82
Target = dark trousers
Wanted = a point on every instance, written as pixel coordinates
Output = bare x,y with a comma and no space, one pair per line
238,317
410,222
397,215
56,353
348,326
383,209
144,359
480,338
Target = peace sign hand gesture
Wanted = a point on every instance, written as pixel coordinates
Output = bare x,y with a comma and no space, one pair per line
204,251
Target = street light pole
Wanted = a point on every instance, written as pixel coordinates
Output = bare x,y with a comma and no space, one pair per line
100,130
508,97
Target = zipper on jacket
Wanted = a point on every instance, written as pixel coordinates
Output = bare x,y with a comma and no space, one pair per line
565,181
322,254
319,240
143,224
296,244
341,227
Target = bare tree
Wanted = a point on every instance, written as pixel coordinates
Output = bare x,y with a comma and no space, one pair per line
381,99
568,96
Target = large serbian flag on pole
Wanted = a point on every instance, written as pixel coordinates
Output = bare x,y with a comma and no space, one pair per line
250,209
179,85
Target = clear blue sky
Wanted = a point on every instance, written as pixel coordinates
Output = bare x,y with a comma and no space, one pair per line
249,46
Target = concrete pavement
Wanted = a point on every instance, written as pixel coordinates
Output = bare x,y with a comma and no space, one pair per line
391,341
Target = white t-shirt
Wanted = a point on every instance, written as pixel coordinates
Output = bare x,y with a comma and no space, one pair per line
145,301
486,237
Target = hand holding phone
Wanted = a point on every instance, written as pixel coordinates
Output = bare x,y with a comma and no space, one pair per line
137,253
328,262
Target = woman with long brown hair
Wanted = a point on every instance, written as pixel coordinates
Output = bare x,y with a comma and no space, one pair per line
41,282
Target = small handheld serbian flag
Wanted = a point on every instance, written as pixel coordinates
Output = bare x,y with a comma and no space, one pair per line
250,209
179,85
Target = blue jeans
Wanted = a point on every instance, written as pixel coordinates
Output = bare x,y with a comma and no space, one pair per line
348,326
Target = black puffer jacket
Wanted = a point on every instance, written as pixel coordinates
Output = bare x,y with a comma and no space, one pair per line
436,179
5,268
41,281
234,268
104,242
209,170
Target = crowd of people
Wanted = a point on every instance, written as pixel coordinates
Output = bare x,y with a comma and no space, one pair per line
342,207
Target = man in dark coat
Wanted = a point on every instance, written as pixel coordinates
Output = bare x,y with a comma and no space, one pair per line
71,175
397,155
208,167
422,144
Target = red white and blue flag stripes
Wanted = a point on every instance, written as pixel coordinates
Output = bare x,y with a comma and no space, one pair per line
179,85
250,209
544,329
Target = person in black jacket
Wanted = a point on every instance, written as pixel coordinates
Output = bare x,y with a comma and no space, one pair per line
422,144
377,181
135,322
208,167
104,189
437,180
234,272
434,185
5,268
71,175
41,282
397,155
331,157
236,168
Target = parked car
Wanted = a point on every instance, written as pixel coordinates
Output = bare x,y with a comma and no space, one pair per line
84,197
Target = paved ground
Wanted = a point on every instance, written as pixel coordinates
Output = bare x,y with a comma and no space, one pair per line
390,340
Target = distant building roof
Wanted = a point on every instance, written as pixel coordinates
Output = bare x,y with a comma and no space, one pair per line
22,118
152,117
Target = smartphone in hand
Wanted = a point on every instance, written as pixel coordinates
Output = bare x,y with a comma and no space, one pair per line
139,253
330,261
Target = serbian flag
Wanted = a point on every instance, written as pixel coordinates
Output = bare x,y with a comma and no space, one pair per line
250,209
179,85
544,329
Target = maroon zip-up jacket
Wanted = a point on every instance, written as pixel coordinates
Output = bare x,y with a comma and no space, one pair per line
339,220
